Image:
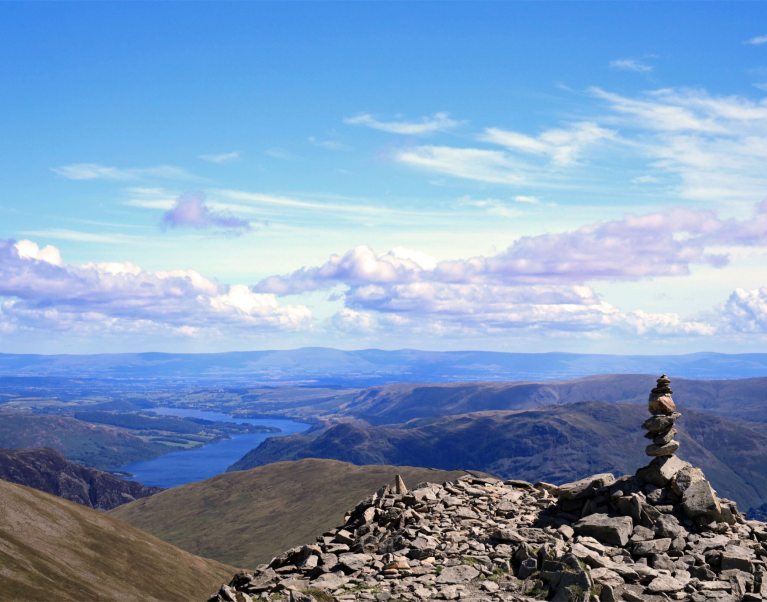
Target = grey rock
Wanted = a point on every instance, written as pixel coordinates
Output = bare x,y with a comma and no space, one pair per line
699,500
457,574
661,470
665,584
667,449
611,530
585,487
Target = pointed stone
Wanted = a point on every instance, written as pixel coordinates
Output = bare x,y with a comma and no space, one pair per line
660,398
399,486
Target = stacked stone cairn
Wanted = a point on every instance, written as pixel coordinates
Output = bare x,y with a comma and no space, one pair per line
662,534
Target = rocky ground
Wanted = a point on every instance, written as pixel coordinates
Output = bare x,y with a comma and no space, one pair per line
485,539
662,534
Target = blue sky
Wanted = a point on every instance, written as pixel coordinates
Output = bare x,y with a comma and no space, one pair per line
513,176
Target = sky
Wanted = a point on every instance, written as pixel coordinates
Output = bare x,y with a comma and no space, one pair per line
534,176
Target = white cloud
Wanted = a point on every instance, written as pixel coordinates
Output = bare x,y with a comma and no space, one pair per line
426,125
527,199
562,146
480,309
328,143
38,291
634,65
746,310
716,146
80,236
539,282
470,163
221,157
494,206
756,40
28,249
96,171
632,248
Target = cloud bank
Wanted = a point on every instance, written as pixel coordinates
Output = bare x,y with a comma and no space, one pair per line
38,291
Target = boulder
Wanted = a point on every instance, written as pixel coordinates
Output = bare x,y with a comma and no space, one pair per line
585,487
685,477
661,470
662,405
610,530
457,574
700,501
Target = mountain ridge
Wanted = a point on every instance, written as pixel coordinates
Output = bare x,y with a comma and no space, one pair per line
47,470
554,443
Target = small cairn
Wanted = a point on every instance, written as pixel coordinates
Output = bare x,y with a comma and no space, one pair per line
660,426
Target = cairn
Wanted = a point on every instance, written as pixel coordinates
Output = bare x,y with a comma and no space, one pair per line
662,534
660,426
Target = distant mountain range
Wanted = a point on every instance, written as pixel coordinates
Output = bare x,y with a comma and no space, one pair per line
245,518
47,470
53,549
558,443
323,366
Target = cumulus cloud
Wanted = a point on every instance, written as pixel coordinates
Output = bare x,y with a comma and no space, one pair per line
471,309
746,311
191,211
360,265
632,248
39,291
425,125
540,282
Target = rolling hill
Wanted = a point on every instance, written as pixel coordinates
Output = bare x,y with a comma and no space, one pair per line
247,517
100,446
49,471
53,549
556,443
743,398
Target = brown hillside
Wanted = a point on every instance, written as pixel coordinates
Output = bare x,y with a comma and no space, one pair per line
247,517
53,549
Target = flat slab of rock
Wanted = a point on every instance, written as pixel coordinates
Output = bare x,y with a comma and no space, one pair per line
667,449
457,574
585,487
610,530
665,584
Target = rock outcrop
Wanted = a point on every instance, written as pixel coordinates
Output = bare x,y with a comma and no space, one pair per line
662,534
47,470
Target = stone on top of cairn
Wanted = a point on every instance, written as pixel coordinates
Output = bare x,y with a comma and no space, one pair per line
660,426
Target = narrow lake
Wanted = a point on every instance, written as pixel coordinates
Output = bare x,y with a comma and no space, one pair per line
177,468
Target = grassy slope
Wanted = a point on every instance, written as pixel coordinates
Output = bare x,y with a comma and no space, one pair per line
247,517
52,549
94,445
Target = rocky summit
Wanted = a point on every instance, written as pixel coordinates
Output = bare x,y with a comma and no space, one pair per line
661,534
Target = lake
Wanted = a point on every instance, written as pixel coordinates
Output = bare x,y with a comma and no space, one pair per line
177,468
